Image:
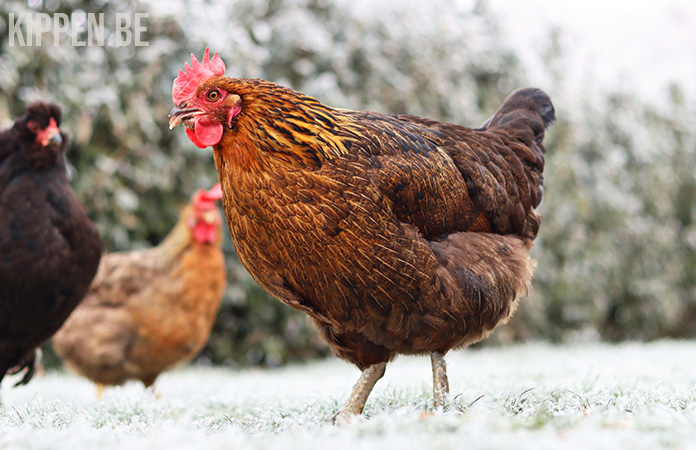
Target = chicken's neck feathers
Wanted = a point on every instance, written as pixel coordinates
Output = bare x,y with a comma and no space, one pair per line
280,127
177,242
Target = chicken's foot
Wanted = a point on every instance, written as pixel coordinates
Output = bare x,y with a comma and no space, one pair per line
440,383
361,391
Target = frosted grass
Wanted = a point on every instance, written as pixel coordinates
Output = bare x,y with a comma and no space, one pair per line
530,396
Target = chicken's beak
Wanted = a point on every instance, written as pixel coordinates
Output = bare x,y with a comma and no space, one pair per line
209,217
178,116
50,135
56,139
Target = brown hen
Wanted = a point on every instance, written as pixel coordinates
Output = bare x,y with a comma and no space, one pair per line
396,234
150,310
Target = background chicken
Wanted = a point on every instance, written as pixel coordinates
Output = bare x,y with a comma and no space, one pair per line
396,234
149,310
49,249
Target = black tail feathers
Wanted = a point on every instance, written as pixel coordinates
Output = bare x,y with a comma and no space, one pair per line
527,109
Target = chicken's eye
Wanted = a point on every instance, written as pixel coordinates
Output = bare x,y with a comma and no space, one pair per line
213,95
33,126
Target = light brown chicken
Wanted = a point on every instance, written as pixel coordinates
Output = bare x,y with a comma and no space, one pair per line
148,311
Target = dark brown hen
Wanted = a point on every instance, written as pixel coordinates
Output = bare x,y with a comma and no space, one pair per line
396,234
49,249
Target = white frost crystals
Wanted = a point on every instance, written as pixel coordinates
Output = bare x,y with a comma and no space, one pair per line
535,396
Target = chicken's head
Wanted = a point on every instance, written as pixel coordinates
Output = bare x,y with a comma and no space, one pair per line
39,135
205,220
256,120
204,108
40,125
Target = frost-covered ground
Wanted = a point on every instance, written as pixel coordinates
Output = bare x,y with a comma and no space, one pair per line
524,397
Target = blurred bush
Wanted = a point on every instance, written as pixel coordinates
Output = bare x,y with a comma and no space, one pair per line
617,248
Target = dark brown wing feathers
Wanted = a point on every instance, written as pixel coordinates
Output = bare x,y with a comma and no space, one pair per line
501,169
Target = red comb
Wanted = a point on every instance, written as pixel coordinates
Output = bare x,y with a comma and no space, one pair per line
215,193
206,199
190,78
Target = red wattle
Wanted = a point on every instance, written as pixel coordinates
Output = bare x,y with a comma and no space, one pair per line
205,233
191,135
208,133
212,235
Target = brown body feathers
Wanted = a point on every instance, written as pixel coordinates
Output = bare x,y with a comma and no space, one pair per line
396,234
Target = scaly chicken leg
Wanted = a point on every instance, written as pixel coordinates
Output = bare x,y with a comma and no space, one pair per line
440,383
361,391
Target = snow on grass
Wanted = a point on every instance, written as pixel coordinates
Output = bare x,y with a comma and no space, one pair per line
528,397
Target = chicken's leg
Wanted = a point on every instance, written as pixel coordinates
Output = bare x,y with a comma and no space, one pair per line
100,390
440,383
361,391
